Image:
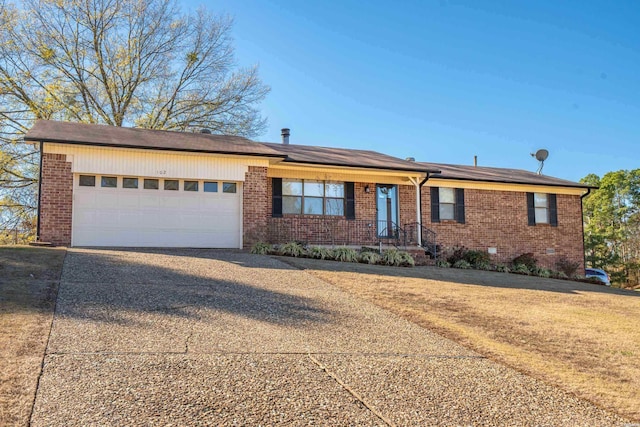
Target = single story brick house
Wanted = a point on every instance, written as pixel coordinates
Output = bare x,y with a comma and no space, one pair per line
110,186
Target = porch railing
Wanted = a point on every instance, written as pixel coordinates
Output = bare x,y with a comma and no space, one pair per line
427,238
335,231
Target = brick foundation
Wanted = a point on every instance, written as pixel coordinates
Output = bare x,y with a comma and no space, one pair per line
56,200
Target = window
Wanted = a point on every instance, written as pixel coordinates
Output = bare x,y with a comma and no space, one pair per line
151,184
210,187
191,186
541,206
312,197
129,182
171,184
109,181
228,187
87,181
447,203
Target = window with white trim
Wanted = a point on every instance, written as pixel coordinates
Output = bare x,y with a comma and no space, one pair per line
447,203
311,197
541,205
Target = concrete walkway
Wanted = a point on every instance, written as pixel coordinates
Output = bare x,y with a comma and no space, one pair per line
205,337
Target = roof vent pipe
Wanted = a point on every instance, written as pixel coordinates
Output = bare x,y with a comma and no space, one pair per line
285,135
475,161
410,159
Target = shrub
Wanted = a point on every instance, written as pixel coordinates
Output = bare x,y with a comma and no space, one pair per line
457,254
543,272
369,257
560,275
521,269
293,249
392,257
345,254
462,264
502,268
368,249
528,260
319,252
477,258
407,259
567,266
261,248
484,265
442,263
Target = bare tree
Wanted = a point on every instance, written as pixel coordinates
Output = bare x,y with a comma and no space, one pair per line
137,63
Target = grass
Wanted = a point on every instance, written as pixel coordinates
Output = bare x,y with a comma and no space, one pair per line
28,285
581,337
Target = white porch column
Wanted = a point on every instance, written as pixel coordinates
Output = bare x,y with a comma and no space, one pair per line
416,183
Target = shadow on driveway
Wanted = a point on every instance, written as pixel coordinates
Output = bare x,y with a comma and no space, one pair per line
98,284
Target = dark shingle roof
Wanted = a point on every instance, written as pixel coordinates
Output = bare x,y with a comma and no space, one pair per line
113,136
344,157
488,174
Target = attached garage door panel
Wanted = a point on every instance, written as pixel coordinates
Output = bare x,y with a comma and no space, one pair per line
156,218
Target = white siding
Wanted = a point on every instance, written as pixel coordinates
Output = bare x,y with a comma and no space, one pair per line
152,163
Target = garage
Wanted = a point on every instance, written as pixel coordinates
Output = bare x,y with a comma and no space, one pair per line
136,211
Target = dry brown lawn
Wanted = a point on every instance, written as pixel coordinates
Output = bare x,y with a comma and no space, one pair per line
29,280
581,337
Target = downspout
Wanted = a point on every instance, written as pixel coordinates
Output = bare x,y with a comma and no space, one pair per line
419,207
39,192
584,253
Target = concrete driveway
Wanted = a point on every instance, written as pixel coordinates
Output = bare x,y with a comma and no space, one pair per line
205,337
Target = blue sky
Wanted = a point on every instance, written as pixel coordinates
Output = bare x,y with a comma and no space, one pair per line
445,80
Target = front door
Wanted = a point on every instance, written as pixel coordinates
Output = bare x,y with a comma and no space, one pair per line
387,208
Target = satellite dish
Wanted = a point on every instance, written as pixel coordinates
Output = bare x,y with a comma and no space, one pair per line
540,155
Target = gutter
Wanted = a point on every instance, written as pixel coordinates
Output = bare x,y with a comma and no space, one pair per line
584,253
39,192
424,181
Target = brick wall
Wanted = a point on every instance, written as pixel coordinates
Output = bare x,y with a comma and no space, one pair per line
498,219
407,202
256,205
56,200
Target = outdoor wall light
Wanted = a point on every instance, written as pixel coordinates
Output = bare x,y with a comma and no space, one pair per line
367,189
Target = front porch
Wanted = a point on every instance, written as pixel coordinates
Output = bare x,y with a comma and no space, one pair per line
338,231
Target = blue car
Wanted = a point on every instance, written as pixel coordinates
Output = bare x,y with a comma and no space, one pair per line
598,274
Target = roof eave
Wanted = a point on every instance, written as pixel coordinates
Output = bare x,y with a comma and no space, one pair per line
497,181
138,147
290,161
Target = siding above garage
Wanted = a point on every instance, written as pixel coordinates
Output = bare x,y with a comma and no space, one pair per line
150,163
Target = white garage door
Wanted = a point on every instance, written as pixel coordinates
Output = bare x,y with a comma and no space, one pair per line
149,212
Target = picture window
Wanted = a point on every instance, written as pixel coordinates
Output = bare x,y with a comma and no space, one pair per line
312,197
